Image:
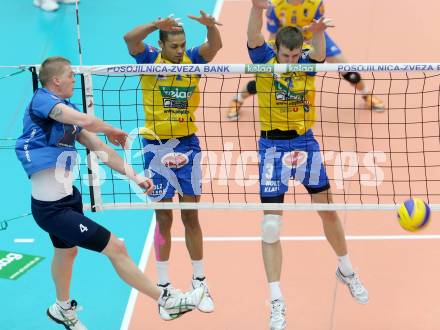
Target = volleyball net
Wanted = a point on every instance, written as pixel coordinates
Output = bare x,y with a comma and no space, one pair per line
373,160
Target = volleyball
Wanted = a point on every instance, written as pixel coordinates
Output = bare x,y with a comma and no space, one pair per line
413,214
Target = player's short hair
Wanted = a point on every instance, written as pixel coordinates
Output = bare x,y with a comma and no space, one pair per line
51,67
290,37
163,35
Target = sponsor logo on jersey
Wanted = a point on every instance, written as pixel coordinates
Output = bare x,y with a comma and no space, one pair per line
294,158
283,93
176,97
174,160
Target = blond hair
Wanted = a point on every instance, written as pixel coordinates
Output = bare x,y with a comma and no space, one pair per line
52,66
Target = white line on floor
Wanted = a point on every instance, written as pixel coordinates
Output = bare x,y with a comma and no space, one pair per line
24,240
316,238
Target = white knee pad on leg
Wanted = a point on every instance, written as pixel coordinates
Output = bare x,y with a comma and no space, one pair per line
271,228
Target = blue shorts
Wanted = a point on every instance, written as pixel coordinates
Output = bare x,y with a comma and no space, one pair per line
331,49
67,225
174,165
298,158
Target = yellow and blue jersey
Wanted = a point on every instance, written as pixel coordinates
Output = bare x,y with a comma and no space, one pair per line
286,100
282,13
169,100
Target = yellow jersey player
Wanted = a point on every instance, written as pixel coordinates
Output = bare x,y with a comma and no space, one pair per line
302,13
171,148
288,149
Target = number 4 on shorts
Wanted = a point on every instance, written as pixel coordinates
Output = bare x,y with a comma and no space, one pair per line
82,228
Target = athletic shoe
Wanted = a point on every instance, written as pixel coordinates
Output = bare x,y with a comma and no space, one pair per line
355,286
66,317
277,315
47,5
234,109
374,103
67,2
162,312
206,304
175,303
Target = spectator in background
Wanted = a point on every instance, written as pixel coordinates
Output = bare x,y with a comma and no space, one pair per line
51,5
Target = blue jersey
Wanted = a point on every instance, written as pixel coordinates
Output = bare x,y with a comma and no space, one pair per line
44,140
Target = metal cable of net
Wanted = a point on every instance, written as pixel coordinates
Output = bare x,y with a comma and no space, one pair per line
374,160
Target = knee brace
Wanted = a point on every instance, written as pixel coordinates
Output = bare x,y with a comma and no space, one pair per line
352,77
271,228
251,87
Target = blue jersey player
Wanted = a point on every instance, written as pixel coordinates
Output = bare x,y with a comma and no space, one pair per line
46,149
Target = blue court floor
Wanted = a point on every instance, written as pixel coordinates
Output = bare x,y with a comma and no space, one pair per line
29,35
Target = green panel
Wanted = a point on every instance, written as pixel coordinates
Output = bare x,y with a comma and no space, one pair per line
13,264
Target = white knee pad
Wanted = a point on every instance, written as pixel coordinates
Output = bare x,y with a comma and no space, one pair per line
271,228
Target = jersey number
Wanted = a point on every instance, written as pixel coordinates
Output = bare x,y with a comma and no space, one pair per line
82,228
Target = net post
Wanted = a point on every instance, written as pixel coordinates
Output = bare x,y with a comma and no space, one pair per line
33,70
92,164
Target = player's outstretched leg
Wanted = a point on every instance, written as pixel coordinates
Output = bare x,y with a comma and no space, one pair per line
237,102
272,258
372,102
334,232
175,303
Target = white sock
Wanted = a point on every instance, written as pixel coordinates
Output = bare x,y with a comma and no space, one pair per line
345,265
365,91
63,304
162,272
198,270
275,291
239,98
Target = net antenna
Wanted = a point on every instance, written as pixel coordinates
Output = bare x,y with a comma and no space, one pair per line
88,107
78,33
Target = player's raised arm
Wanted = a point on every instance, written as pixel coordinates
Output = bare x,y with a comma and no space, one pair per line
318,27
134,38
255,23
214,41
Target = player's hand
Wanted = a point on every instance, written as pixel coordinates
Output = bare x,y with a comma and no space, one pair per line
319,25
145,184
168,24
117,137
262,4
205,19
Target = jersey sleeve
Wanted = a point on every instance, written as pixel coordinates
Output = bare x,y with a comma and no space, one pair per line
261,54
148,56
320,11
43,103
79,128
305,59
194,55
273,23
